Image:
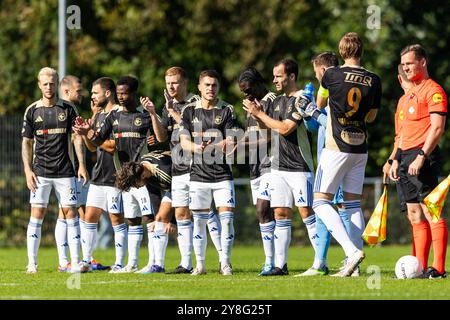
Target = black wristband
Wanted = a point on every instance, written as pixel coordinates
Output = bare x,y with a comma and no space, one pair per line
397,154
316,114
390,161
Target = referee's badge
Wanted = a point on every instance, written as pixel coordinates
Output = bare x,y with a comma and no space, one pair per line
62,116
217,119
138,122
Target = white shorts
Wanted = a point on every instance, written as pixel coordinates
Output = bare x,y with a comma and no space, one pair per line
65,190
167,197
288,187
201,194
82,192
180,191
107,198
136,203
336,168
260,188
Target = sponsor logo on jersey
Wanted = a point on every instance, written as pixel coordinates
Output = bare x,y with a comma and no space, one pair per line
62,116
437,97
401,115
353,136
127,135
116,123
138,122
38,119
358,79
217,119
195,120
51,131
277,108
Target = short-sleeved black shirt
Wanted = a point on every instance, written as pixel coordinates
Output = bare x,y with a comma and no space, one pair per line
161,167
291,152
181,162
104,172
130,131
209,124
51,129
259,158
353,92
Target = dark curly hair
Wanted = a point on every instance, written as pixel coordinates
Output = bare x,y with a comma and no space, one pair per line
129,175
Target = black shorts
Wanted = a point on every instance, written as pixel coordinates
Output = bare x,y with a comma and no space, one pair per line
415,188
155,197
401,198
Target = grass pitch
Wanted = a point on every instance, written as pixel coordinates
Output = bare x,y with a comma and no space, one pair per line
245,284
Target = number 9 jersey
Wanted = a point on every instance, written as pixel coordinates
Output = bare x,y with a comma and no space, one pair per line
354,91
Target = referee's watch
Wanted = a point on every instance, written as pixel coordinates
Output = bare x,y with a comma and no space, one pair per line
422,153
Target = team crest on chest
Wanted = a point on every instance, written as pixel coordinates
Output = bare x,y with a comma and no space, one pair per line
138,122
62,116
218,119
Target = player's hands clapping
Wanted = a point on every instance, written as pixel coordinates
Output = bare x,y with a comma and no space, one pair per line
148,105
253,107
81,126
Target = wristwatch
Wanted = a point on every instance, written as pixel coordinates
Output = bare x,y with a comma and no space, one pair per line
422,153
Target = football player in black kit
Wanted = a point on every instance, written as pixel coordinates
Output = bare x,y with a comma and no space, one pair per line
251,84
130,125
206,128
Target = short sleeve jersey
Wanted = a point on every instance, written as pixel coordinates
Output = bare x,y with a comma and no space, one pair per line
130,130
413,113
181,163
353,92
259,159
104,172
208,125
291,152
161,167
51,129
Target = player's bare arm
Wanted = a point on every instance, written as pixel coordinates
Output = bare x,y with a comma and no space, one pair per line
284,127
27,157
192,147
80,151
437,122
160,132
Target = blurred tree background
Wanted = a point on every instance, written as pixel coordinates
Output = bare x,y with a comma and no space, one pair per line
145,37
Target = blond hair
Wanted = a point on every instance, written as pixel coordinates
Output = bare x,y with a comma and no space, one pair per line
350,46
46,71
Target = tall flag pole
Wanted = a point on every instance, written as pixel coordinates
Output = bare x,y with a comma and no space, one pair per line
62,48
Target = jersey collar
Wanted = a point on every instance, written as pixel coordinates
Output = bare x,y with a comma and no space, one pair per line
59,102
